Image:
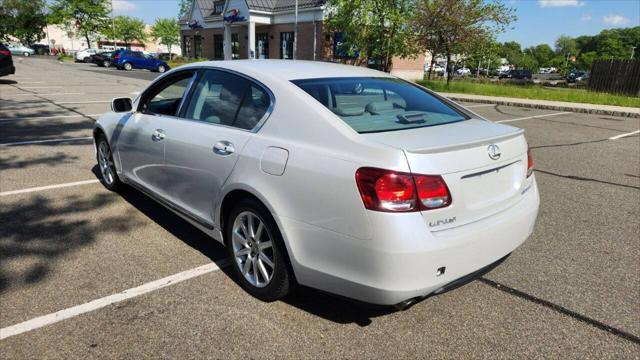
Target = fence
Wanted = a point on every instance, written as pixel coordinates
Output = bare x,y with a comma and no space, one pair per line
616,76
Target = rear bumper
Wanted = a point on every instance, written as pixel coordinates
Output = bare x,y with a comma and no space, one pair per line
402,260
7,70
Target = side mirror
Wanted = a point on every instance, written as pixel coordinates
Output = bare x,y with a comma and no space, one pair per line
121,105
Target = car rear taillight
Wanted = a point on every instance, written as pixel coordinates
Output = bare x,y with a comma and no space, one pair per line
529,163
5,52
392,191
116,57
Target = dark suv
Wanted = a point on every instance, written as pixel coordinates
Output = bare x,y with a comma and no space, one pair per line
6,61
521,74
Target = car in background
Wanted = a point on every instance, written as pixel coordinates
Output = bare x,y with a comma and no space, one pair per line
103,59
21,50
129,60
84,55
41,49
463,72
336,177
6,61
436,69
578,77
520,74
166,56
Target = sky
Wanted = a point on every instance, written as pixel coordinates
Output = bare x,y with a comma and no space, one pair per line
539,21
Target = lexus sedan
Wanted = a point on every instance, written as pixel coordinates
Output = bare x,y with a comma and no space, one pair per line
336,177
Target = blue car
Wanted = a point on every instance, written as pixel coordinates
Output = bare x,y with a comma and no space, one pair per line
129,60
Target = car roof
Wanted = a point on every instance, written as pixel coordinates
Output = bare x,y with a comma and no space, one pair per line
292,69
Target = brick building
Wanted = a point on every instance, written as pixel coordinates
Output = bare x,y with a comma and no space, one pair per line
264,29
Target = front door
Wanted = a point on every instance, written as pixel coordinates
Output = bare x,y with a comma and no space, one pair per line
141,138
202,147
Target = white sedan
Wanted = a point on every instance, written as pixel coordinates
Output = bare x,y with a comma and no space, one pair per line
336,177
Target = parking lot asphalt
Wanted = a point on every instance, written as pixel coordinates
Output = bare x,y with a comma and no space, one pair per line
67,244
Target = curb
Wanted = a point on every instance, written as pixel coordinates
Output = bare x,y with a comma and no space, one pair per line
578,109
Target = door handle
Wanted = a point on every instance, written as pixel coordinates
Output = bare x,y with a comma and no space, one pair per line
158,135
223,148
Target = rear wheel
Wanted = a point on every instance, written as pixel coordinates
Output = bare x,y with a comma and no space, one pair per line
108,175
257,251
106,63
127,66
26,53
161,69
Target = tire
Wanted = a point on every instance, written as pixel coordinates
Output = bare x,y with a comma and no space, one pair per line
86,60
106,63
161,69
104,156
271,258
26,54
127,66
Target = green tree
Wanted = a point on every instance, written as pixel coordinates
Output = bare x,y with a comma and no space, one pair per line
184,6
566,45
23,20
586,59
461,24
127,29
85,17
541,53
167,31
375,29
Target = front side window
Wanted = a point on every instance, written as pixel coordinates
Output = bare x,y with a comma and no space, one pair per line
165,98
379,104
227,99
286,45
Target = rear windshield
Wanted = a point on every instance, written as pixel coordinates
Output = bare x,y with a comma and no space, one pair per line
379,104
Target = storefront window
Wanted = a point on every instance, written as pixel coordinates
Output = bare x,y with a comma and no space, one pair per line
235,47
197,46
262,45
286,45
187,46
218,47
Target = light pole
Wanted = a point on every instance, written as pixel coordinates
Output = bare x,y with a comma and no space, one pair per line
633,51
295,34
113,27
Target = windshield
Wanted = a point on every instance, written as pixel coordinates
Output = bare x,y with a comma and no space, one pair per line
379,104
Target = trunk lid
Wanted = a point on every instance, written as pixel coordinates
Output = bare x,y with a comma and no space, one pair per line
479,184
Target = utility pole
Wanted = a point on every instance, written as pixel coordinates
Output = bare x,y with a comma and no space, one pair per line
633,51
113,28
295,34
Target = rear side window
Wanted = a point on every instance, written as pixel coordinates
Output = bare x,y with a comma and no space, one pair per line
2,47
227,99
379,104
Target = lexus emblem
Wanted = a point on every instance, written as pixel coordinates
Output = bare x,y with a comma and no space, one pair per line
494,151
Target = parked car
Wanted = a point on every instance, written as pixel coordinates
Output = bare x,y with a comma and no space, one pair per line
437,69
578,76
41,49
165,56
6,61
463,71
103,59
520,74
129,60
84,55
21,50
383,191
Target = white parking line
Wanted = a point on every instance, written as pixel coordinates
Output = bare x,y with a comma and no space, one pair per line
47,117
624,135
84,102
534,117
40,87
32,94
49,187
480,105
32,82
46,141
108,300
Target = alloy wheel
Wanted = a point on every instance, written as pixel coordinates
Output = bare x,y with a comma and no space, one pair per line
253,249
105,161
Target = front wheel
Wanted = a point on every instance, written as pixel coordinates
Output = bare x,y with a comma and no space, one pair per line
106,63
257,252
108,176
127,66
26,54
86,60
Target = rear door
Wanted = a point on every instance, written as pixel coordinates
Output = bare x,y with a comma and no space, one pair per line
142,138
202,148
